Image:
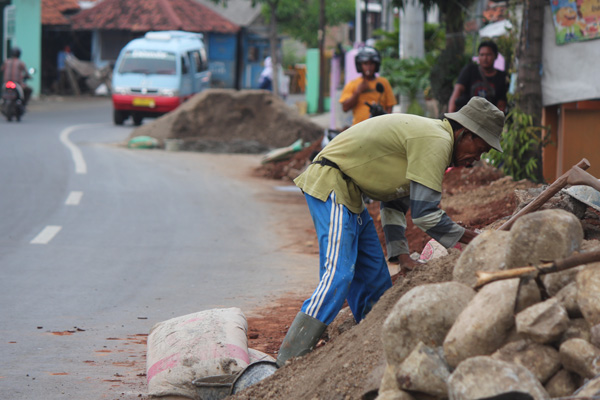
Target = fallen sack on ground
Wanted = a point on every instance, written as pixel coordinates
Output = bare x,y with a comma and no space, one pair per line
142,142
206,343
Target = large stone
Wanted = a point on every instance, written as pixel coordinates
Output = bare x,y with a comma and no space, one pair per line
595,335
482,327
580,357
425,313
578,328
482,376
543,236
543,361
567,296
561,384
528,294
388,381
556,281
485,253
591,388
588,293
425,371
543,322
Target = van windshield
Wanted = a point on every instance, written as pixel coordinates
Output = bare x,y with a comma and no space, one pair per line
148,62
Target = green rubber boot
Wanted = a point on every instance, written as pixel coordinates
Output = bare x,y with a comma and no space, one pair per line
300,339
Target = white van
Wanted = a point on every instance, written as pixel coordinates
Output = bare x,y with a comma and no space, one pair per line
155,74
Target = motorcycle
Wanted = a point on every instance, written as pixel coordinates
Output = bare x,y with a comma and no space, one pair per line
13,104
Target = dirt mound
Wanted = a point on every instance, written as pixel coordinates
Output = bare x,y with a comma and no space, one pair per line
231,121
346,367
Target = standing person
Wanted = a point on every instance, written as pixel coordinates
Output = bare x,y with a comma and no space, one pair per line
363,89
265,81
15,70
481,80
394,157
61,65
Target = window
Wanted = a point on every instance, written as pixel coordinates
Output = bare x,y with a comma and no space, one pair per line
198,60
184,65
148,62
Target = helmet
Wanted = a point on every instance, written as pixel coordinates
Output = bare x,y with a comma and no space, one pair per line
367,54
15,52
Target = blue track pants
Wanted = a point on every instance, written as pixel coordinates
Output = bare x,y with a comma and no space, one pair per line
352,264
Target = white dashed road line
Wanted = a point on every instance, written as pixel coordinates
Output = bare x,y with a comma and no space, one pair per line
80,166
74,198
46,234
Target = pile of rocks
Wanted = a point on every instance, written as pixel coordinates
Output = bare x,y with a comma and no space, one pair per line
539,336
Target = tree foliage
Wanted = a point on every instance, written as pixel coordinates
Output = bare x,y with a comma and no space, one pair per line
300,18
409,77
519,138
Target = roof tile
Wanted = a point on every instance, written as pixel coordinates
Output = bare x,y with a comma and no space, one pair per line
152,15
52,11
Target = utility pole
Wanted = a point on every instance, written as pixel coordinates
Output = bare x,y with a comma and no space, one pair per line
412,40
322,83
357,24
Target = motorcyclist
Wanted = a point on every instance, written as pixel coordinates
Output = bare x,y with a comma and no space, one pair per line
15,70
364,88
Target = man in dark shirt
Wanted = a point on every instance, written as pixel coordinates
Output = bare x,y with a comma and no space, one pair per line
481,80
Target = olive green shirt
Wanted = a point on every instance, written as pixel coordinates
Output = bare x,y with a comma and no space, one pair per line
379,157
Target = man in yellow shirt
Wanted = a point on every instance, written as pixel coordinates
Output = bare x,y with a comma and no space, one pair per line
364,88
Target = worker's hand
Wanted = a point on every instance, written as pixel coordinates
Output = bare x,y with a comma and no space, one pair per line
406,263
362,87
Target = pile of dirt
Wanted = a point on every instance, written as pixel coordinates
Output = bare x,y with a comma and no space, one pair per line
231,121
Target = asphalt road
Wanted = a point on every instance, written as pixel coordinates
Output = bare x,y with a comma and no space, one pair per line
99,242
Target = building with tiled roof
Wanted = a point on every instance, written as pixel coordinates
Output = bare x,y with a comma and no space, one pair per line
96,30
55,12
152,15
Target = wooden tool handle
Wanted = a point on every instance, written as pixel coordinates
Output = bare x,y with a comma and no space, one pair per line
575,260
550,191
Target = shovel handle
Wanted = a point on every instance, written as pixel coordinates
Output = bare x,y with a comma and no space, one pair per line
550,191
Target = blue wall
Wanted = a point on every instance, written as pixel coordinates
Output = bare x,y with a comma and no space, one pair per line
221,59
254,51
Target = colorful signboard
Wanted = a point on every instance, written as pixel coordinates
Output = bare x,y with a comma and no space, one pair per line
576,20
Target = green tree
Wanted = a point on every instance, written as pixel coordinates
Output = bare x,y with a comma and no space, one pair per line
300,18
410,77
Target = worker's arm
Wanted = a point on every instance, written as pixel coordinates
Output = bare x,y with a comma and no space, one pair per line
456,93
393,223
352,101
426,214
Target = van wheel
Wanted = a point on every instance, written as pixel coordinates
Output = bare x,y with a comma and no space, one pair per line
119,117
137,120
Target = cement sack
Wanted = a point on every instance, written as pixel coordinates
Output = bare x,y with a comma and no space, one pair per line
433,249
198,345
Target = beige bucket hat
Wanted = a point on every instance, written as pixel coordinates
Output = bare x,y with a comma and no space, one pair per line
483,119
